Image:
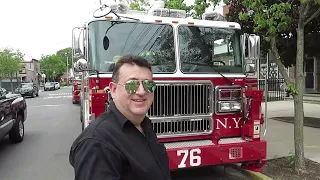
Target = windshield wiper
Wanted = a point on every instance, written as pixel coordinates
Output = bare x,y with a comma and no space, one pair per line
199,64
231,83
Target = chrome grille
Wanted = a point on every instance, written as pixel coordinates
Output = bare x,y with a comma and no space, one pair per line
174,98
182,108
178,126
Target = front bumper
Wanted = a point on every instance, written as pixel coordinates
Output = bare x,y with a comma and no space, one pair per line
199,153
29,93
49,88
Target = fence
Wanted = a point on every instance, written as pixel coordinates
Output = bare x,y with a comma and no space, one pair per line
276,89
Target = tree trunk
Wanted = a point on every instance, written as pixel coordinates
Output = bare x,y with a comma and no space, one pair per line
298,101
11,83
281,67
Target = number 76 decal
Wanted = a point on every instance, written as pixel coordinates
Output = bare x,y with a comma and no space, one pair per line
194,157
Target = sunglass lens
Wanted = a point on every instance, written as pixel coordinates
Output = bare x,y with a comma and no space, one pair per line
149,85
132,86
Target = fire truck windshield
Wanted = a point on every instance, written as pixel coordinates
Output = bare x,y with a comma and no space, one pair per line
153,41
209,49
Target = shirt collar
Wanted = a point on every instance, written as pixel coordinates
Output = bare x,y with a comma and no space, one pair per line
121,119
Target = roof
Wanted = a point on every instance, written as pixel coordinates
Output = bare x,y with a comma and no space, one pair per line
30,60
144,17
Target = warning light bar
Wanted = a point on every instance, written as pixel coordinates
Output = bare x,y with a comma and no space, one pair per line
163,12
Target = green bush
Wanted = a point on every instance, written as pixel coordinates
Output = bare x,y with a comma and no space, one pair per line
63,84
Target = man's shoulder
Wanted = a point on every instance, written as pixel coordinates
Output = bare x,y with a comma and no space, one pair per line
100,127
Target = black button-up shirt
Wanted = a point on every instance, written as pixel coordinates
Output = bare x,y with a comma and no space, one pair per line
112,148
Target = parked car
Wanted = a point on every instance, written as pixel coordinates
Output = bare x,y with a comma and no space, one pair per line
49,86
13,114
57,85
27,89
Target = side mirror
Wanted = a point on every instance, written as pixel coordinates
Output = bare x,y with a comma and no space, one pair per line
77,41
250,68
253,47
81,65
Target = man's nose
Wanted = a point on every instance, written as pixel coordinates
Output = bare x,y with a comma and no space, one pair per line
141,91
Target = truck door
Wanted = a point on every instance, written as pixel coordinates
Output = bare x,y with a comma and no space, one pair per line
6,120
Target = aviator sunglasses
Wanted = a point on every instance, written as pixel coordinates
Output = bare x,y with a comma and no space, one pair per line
132,86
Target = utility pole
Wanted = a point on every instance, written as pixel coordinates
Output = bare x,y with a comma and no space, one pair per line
67,69
67,72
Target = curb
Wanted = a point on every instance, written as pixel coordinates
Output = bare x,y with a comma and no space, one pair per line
254,175
258,176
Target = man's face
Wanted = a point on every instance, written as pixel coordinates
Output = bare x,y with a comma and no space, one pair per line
136,104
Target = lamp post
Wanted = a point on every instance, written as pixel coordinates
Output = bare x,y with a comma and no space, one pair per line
67,69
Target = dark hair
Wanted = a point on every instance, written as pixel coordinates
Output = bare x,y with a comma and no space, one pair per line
129,59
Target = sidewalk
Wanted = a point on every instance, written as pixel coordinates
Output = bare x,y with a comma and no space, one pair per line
280,134
311,98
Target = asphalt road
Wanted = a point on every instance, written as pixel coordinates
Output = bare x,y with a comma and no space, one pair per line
52,125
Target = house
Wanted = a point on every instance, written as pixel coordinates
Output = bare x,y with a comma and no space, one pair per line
311,74
30,71
67,76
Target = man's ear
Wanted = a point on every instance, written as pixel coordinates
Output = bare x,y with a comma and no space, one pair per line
113,88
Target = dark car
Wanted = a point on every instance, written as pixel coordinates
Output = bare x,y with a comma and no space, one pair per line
27,89
13,113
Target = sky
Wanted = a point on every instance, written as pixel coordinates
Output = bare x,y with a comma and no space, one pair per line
38,27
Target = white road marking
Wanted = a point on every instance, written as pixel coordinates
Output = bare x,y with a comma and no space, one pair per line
60,94
57,97
46,105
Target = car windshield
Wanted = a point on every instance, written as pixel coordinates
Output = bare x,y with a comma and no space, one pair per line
209,49
26,85
108,40
49,84
77,77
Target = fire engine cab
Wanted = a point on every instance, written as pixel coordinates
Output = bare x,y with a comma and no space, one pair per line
203,111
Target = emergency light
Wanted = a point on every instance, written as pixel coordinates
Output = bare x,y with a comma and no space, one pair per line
163,12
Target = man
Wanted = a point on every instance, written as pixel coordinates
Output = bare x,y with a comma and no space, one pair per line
120,143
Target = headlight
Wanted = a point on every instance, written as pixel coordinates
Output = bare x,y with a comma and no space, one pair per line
228,99
229,106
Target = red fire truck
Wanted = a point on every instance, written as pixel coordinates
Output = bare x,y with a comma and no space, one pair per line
204,110
76,86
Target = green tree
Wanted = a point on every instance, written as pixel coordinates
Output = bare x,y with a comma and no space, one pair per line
177,4
10,63
273,19
139,5
52,66
65,54
286,40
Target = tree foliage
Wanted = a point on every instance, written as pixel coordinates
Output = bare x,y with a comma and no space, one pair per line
52,66
65,54
286,39
177,4
285,24
139,5
10,63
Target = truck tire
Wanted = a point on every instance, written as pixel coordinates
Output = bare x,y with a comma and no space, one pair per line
16,134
